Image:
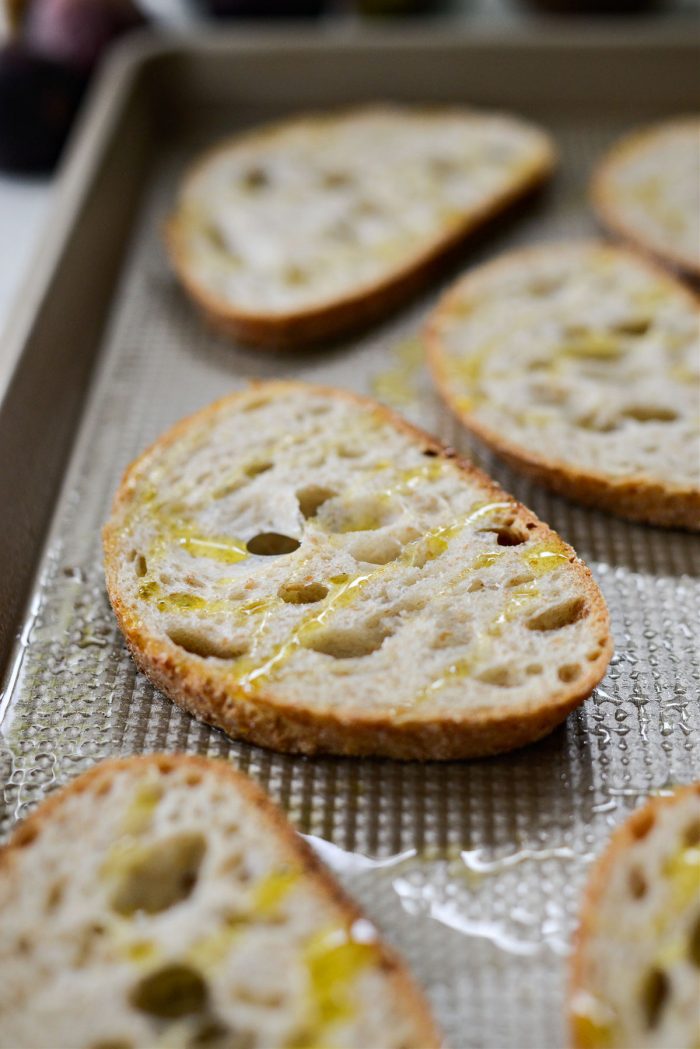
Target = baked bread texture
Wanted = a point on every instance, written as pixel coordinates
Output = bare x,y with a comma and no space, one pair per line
647,190
305,570
164,901
309,228
636,963
579,364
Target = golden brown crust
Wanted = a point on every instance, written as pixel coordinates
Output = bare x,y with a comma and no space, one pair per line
635,827
637,498
605,208
347,313
266,721
295,847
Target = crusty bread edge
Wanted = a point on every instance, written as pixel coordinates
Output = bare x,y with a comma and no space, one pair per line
299,853
604,207
348,312
263,720
634,827
638,498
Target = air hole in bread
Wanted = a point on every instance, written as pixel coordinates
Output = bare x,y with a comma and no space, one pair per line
597,425
542,286
637,883
505,676
215,237
54,895
569,672
533,668
508,536
272,544
691,835
255,178
432,453
141,566
520,580
211,1032
364,513
295,275
171,993
160,875
302,593
633,326
593,654
349,451
312,497
349,643
564,614
335,179
199,642
694,942
376,549
253,469
646,413
254,403
227,489
656,990
475,585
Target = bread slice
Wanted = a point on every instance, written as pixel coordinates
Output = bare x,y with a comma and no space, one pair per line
164,901
636,964
305,570
299,231
578,363
647,190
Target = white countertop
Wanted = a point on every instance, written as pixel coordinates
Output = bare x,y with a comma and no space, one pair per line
24,205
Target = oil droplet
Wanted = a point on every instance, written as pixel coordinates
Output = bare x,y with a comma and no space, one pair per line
272,890
545,557
334,961
217,548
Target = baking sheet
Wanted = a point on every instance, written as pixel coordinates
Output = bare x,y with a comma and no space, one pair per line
473,870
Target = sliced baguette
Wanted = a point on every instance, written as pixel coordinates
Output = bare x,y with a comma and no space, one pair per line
300,231
636,963
305,570
164,901
578,363
647,190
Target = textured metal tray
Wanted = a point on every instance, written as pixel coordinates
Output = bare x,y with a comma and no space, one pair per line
474,870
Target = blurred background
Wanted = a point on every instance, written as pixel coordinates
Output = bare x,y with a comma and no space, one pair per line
51,50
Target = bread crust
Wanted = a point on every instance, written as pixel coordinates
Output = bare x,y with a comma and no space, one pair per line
636,498
346,313
634,828
298,851
264,720
604,205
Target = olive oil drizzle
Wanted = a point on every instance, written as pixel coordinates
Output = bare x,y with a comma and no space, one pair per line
250,673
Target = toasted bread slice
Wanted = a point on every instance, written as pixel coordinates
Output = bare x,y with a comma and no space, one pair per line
578,363
647,190
636,963
309,228
305,570
164,901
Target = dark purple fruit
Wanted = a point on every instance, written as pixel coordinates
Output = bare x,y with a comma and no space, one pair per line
262,8
78,31
38,101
